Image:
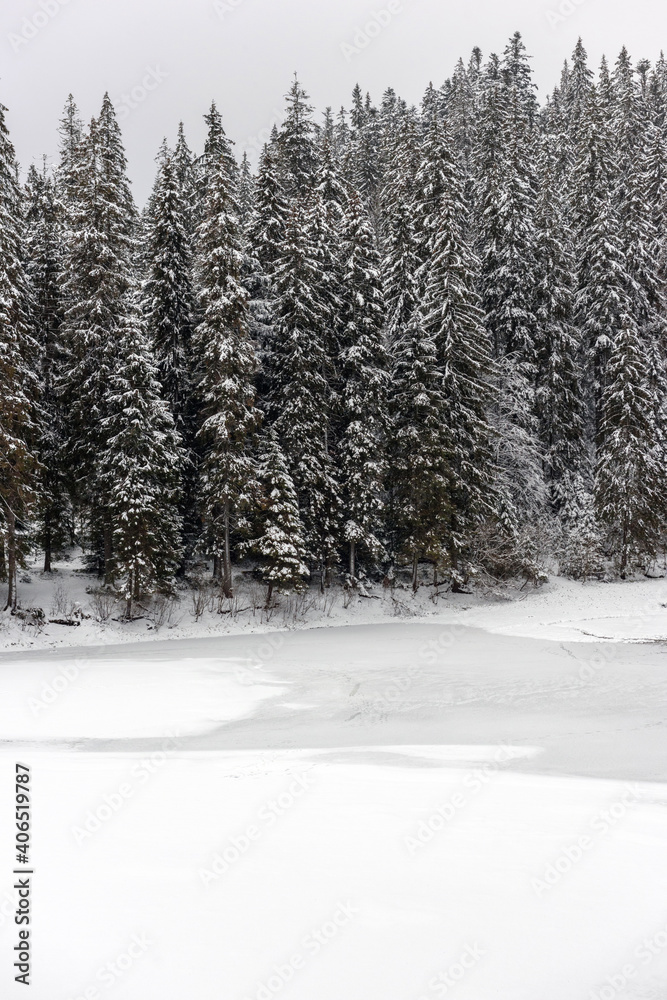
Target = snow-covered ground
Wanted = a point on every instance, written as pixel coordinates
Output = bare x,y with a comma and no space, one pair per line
562,609
469,802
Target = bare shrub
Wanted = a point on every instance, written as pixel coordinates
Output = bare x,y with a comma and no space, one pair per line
102,601
62,605
161,611
203,596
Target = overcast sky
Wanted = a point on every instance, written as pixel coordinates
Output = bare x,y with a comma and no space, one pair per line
171,57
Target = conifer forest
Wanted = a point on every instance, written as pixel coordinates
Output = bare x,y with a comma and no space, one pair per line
425,343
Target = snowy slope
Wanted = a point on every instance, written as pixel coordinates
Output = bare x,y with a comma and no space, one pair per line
562,609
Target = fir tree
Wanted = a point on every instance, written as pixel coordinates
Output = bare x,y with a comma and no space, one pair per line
281,548
246,191
266,227
602,300
420,505
580,555
560,403
167,292
363,373
139,468
44,248
71,135
453,319
264,235
17,382
185,172
217,150
227,367
629,488
297,143
98,286
300,399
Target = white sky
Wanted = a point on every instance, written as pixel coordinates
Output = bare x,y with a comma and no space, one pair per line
244,55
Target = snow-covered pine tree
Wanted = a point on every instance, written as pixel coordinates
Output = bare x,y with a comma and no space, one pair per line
266,227
71,135
506,238
217,149
401,265
419,503
630,490
514,322
363,159
632,197
602,300
296,142
300,401
280,549
264,235
488,160
140,471
98,281
454,321
44,249
329,182
185,171
363,371
576,97
341,136
167,293
401,247
168,305
430,185
226,371
580,555
559,397
18,384
460,105
246,191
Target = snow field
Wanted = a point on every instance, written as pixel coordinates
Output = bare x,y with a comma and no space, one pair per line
250,876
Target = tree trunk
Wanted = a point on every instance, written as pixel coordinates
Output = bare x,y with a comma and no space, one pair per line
270,594
227,559
108,555
47,544
11,560
415,570
352,561
624,549
216,567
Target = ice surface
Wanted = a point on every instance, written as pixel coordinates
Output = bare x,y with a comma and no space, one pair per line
393,811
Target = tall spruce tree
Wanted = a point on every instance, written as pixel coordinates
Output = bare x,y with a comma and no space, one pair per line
454,321
420,505
99,285
363,370
264,235
559,397
300,397
226,371
167,293
280,548
18,387
139,468
296,141
44,249
630,488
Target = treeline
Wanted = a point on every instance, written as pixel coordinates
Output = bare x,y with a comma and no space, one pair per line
430,334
